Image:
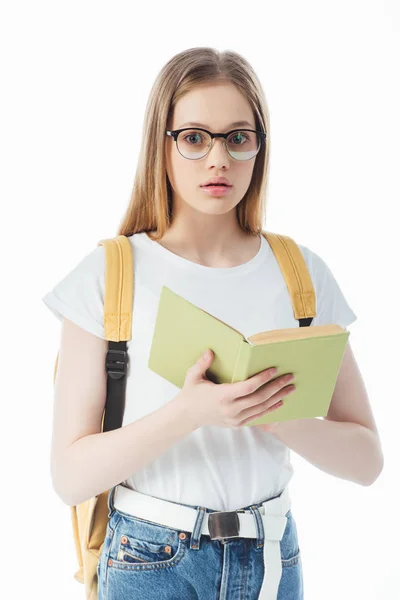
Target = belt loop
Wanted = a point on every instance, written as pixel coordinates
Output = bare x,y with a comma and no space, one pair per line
196,535
110,501
259,525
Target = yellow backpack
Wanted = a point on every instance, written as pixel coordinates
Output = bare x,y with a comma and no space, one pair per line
89,519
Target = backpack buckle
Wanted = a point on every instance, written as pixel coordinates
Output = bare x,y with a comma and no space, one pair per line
116,363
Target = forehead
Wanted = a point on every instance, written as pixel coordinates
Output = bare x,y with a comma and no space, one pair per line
218,107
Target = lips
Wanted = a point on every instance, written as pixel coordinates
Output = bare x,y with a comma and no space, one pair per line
219,181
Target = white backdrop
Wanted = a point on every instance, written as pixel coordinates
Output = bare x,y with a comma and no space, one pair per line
76,77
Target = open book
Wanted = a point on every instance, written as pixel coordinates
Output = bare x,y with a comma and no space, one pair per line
183,331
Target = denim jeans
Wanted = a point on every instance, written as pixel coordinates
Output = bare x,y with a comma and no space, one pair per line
146,561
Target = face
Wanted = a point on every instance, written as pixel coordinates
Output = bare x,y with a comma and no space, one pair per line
216,106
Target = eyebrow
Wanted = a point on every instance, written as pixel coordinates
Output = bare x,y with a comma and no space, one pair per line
234,124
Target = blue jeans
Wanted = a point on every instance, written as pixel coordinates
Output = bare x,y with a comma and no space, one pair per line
146,561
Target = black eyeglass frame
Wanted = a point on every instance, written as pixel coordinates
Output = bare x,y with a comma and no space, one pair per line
176,132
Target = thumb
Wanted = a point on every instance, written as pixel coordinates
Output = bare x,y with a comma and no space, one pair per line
202,364
207,357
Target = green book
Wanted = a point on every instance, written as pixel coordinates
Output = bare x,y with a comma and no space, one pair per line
183,331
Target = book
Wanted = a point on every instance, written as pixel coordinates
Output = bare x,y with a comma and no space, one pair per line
183,331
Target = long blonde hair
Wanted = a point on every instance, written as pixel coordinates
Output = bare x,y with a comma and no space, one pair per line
151,199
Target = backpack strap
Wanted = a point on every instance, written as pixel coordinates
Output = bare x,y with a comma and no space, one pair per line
296,274
118,288
118,298
118,303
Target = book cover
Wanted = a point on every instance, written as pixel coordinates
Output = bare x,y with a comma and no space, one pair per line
183,331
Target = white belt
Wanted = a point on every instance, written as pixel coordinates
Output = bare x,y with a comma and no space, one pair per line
181,517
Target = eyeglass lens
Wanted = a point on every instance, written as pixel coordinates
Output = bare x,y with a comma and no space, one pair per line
241,145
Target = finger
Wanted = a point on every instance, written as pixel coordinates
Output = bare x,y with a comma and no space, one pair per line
256,407
248,386
260,414
264,393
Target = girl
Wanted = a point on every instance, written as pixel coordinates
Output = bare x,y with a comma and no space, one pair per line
203,511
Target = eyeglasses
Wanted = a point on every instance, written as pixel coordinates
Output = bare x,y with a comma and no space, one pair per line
241,144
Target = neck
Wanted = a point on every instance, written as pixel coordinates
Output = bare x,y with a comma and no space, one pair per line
211,241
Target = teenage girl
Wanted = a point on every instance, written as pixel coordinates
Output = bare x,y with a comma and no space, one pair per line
203,510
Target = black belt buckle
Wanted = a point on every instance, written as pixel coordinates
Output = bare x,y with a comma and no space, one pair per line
222,525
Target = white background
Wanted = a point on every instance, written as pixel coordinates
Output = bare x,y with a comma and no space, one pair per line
75,78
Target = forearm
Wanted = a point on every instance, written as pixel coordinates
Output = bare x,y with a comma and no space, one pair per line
97,462
346,450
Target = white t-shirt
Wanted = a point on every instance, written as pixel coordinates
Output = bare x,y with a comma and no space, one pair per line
216,467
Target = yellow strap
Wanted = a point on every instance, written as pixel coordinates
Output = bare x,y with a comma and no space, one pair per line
295,271
119,278
118,292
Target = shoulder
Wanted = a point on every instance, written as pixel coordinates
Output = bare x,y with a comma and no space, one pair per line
313,260
331,301
79,294
93,261
315,264
90,266
318,268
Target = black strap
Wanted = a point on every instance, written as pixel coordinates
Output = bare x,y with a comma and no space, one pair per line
117,359
305,322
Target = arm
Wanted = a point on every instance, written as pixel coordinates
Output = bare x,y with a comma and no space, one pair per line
84,460
346,442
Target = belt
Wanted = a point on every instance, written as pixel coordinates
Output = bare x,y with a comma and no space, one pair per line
218,525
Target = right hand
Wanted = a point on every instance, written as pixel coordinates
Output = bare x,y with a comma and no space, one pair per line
229,404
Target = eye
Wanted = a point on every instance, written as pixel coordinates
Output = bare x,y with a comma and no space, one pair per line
240,136
194,134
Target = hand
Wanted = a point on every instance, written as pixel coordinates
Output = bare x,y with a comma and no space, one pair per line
229,404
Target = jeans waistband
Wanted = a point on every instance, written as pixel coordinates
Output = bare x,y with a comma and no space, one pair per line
243,522
265,521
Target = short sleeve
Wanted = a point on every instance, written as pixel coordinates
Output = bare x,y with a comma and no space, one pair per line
79,296
331,304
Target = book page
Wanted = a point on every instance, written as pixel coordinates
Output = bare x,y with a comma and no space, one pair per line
281,335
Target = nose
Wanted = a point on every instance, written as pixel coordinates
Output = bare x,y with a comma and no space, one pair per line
218,152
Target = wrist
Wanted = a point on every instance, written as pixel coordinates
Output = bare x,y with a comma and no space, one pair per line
277,428
183,410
